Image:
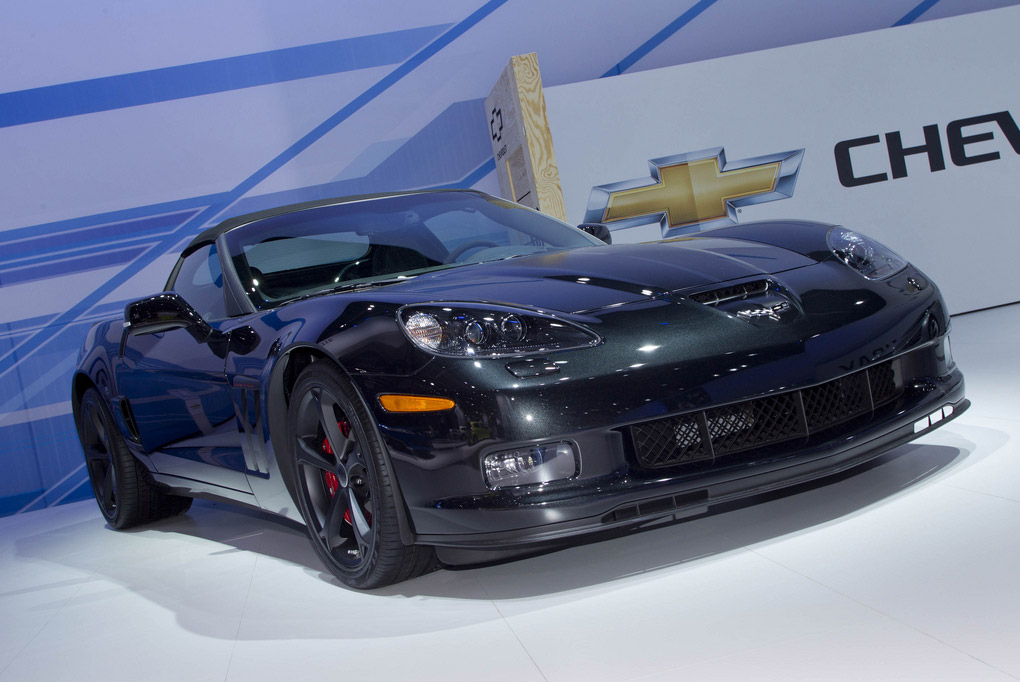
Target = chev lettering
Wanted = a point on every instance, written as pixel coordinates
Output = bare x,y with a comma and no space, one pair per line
957,140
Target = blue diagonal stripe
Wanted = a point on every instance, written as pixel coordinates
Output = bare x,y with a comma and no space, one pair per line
101,219
364,98
912,16
88,259
403,168
39,339
217,75
47,245
471,178
659,38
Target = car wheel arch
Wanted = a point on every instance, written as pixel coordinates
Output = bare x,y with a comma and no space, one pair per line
83,381
282,381
79,385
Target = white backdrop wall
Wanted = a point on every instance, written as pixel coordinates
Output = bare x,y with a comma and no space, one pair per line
127,126
920,120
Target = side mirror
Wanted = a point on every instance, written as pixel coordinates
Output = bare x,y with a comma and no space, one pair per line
164,312
597,230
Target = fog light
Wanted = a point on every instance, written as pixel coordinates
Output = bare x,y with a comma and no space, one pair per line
947,350
531,464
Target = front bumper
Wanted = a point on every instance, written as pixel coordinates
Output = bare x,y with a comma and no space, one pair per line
596,396
630,504
618,493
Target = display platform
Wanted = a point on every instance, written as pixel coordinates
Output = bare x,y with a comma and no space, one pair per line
905,569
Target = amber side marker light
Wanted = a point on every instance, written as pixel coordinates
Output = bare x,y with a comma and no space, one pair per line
414,403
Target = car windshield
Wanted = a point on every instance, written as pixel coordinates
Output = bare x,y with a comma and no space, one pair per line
377,241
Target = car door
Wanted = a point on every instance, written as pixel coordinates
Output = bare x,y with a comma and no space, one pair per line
176,386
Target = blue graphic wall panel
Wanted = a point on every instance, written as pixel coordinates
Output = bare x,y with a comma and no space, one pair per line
123,133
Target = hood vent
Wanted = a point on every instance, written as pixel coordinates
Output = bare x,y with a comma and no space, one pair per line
732,292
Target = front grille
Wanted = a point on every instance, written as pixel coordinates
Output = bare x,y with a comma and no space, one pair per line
836,401
883,383
751,424
676,440
754,423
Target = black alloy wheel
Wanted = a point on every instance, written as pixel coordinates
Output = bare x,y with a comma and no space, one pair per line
126,495
96,433
343,484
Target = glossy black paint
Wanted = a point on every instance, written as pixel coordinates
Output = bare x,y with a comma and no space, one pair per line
202,403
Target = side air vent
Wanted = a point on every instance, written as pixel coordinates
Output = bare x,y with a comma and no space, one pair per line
730,293
129,419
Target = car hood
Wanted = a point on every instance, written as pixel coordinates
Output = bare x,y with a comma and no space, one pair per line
589,279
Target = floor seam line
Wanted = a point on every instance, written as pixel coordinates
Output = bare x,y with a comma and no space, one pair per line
244,608
979,492
45,625
708,660
511,628
883,613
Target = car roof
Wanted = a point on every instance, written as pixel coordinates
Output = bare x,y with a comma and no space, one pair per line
209,235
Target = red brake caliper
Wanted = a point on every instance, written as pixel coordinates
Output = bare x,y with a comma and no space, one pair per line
332,481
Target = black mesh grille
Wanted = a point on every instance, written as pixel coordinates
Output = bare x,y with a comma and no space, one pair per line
764,421
836,401
883,383
754,423
674,440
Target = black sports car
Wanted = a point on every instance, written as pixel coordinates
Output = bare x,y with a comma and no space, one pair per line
448,374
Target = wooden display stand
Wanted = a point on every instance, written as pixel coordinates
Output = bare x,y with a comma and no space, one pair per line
521,140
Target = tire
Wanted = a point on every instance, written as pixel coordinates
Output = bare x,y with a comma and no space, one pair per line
126,494
343,484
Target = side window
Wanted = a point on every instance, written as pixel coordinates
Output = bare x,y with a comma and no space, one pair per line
200,283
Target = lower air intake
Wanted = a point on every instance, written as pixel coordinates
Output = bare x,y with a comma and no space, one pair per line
751,424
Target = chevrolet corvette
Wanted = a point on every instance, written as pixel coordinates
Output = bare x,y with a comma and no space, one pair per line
444,377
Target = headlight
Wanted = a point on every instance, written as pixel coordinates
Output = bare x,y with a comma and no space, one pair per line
863,254
467,330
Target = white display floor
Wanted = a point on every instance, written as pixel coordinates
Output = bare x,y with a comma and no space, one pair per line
906,570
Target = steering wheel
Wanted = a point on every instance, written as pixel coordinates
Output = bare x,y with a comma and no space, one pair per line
464,248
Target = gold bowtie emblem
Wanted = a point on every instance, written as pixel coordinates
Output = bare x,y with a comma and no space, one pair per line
696,189
692,192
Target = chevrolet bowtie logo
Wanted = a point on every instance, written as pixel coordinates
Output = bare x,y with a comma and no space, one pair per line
695,190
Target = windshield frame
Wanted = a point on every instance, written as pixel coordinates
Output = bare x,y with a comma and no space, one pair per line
395,218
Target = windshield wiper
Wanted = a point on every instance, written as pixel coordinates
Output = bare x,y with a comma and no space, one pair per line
511,257
355,286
